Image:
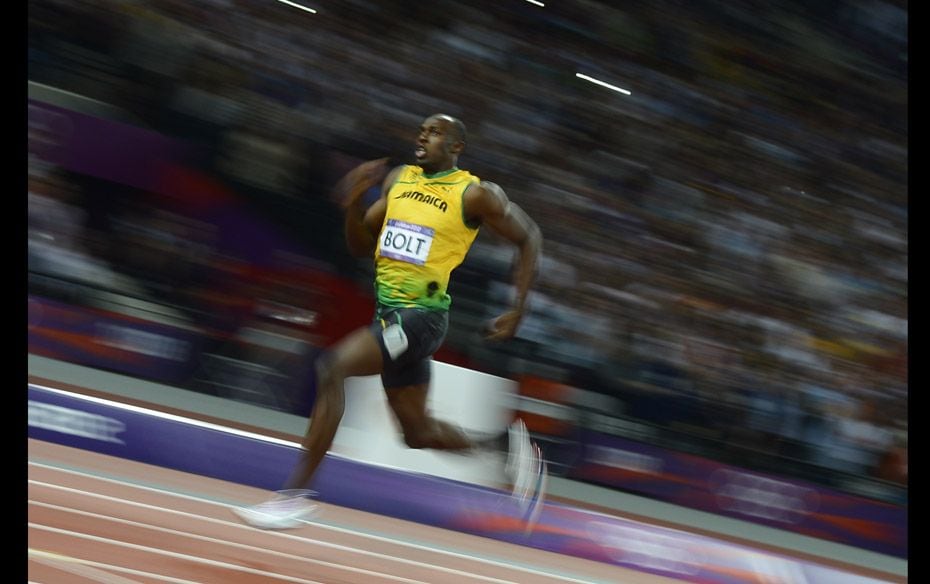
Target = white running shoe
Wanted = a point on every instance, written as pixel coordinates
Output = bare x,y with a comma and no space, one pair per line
518,446
525,465
288,509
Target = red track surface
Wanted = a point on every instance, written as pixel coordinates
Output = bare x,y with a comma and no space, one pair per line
96,518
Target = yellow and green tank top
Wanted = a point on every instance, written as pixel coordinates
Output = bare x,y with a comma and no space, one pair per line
423,238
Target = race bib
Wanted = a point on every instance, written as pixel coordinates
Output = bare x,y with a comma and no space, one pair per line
407,242
395,340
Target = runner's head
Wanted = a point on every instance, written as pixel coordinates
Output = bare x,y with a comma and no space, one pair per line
440,140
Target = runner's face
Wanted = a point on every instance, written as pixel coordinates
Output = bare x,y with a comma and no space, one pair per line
435,144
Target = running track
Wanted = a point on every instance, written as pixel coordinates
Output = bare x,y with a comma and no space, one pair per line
96,518
99,518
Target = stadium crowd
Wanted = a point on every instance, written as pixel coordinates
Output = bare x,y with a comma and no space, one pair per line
726,247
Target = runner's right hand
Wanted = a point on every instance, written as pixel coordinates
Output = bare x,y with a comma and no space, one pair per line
361,178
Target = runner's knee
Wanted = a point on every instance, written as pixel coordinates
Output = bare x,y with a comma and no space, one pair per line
417,438
328,372
418,431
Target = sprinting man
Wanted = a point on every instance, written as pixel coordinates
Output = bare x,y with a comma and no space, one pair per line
418,232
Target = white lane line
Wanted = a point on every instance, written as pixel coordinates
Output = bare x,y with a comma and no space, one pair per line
460,555
241,546
326,544
97,570
161,552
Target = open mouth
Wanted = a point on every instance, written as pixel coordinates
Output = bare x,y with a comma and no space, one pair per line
420,152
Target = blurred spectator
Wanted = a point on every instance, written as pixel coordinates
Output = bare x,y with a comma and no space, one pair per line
892,465
60,242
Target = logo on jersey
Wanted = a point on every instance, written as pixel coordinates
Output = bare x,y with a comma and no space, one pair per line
428,199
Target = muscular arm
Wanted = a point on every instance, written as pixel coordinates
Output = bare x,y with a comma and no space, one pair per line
362,225
488,204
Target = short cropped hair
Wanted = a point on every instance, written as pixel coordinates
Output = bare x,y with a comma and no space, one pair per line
459,129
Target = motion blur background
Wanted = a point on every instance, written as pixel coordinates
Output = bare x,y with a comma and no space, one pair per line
725,268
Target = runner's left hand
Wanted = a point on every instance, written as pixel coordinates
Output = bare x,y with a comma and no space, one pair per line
504,326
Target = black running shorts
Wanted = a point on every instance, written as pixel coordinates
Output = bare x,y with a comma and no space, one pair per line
408,337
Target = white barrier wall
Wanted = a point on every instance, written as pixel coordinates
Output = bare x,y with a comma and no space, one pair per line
475,401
